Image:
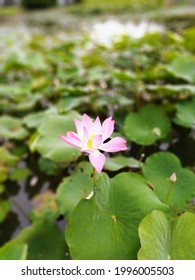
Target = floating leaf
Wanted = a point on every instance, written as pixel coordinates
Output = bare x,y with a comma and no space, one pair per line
118,162
172,89
44,207
140,129
19,174
12,128
50,167
123,76
183,237
7,158
74,188
189,38
106,226
3,173
185,114
164,239
184,68
2,188
33,120
158,169
13,250
48,143
70,102
45,241
4,209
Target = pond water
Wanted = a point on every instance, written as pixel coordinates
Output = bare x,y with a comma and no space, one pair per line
104,32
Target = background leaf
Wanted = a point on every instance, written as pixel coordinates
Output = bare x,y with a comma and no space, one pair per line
45,241
12,128
183,67
185,113
118,162
158,168
140,129
75,187
164,239
48,143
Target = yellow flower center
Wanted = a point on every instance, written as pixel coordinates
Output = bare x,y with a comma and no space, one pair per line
90,141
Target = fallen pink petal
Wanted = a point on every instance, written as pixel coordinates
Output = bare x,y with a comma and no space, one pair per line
94,138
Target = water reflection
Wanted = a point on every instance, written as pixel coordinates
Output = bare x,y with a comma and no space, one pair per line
111,31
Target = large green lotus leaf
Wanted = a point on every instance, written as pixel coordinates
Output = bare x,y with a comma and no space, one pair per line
184,68
12,128
7,158
48,143
45,241
185,114
157,170
14,250
140,129
118,162
75,187
164,239
106,226
4,209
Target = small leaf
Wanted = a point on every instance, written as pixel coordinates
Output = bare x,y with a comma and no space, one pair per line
185,114
4,209
75,187
184,68
2,188
13,250
7,158
140,129
19,174
44,207
11,128
48,142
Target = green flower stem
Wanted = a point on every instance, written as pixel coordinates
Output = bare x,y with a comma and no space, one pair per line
141,150
169,192
94,177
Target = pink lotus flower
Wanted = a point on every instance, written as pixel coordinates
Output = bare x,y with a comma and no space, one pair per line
91,137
